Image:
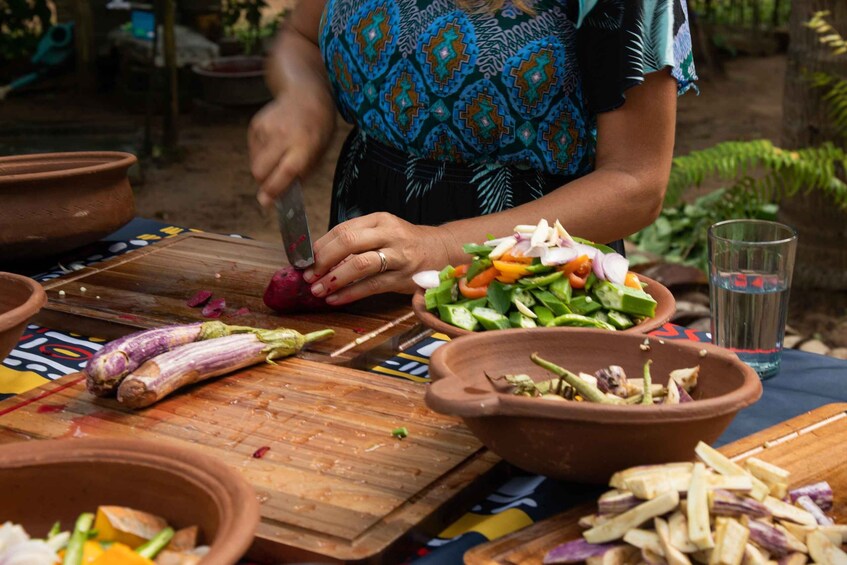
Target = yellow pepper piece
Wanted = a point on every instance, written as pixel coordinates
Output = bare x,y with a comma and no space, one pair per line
505,267
91,550
120,554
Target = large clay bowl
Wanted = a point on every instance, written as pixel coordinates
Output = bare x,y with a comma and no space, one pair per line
584,441
665,307
54,202
47,480
20,298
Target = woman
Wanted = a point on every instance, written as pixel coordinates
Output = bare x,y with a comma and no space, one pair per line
472,116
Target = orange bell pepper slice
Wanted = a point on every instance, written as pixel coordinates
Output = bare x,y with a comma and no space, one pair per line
507,279
581,266
471,291
461,270
483,278
516,259
632,281
510,269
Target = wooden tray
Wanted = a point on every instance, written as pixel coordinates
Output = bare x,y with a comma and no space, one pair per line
812,446
149,288
334,483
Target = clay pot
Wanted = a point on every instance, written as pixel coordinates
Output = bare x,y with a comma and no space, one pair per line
20,299
584,441
47,480
665,307
233,81
54,202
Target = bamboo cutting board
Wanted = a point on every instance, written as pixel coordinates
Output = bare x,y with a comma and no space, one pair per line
813,447
313,439
149,288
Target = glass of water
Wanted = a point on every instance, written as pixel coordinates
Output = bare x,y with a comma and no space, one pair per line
750,268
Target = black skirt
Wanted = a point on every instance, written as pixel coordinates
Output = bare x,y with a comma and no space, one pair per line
373,177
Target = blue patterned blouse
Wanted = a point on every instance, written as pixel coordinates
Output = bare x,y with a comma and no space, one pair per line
437,82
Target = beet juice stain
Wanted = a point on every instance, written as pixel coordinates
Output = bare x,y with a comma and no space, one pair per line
259,453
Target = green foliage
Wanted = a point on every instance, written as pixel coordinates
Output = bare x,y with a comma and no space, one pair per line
243,19
22,23
744,13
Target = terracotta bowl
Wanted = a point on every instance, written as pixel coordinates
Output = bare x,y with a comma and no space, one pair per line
582,441
20,298
665,307
54,202
47,480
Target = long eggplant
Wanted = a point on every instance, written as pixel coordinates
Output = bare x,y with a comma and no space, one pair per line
203,360
107,368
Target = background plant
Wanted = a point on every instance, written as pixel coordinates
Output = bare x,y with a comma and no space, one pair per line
246,21
22,23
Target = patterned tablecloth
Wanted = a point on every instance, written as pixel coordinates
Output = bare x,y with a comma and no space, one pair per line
805,382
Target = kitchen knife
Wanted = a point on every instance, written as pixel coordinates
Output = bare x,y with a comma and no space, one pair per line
294,227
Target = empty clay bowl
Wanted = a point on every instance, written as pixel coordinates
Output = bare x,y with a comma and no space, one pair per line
20,298
665,307
584,441
47,480
54,202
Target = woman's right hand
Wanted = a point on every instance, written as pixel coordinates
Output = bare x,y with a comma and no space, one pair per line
286,139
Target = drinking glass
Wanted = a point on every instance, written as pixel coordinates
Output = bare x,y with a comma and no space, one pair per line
750,268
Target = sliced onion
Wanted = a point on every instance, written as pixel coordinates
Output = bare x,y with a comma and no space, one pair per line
537,251
498,241
520,249
525,228
559,256
597,265
565,239
426,279
615,267
539,236
503,247
584,249
523,309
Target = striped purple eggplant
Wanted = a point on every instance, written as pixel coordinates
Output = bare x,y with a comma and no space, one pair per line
203,360
120,357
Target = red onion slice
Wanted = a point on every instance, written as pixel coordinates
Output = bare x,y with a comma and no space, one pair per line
426,279
537,251
559,256
597,265
521,248
615,267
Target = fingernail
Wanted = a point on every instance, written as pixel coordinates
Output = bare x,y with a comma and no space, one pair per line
309,275
318,289
331,299
263,199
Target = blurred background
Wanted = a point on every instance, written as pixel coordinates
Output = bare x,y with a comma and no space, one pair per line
177,81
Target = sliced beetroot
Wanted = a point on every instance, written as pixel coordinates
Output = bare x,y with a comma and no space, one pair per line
288,293
214,308
243,311
199,299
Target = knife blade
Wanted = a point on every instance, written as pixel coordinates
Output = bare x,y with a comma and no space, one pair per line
294,227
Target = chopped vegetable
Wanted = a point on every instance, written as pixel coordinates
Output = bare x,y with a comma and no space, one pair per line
74,551
615,528
127,525
400,433
576,551
288,293
771,475
699,530
199,299
730,542
807,504
820,493
120,554
195,362
156,544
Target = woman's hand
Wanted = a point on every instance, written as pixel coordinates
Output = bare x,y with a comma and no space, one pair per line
286,139
349,264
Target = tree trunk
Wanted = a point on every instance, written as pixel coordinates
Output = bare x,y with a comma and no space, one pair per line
821,253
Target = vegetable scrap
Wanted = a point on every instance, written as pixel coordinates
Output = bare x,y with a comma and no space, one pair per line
259,453
400,433
713,512
608,385
243,311
539,276
287,293
214,308
146,366
115,535
199,299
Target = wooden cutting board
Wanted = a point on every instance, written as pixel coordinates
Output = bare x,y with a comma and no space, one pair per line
333,482
149,288
813,447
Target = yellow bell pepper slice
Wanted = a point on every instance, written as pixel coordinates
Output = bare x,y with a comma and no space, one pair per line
507,268
120,554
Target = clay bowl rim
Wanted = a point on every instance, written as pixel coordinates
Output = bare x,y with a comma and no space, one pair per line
497,403
663,296
111,160
37,299
189,463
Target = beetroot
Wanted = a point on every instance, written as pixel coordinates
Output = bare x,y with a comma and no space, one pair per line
214,308
288,293
199,299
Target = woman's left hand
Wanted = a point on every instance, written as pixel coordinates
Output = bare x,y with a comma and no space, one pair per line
373,254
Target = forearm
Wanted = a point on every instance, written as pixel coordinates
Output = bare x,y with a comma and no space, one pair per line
588,207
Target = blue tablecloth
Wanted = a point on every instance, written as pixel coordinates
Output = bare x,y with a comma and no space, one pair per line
805,382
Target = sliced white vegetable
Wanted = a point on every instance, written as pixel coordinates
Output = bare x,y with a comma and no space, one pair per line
621,555
619,479
672,554
679,533
838,529
502,247
786,511
753,555
565,238
597,265
523,309
525,228
723,465
644,539
537,251
539,235
426,279
615,267
520,248
498,241
730,542
559,256
823,551
618,526
584,249
699,531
